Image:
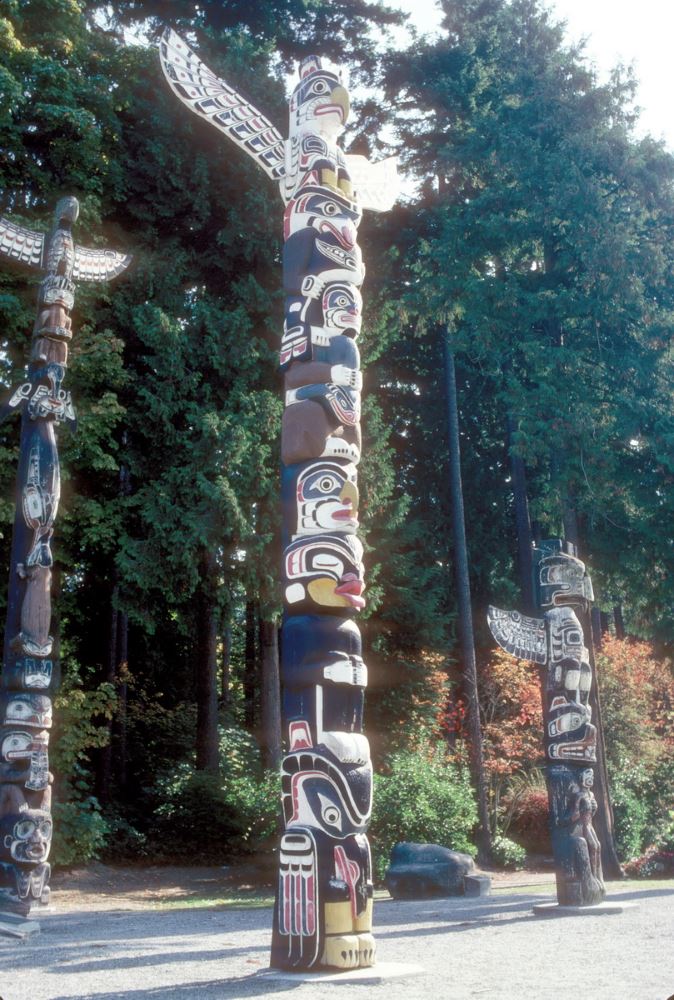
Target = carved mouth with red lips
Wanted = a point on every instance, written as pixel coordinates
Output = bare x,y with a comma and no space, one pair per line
344,513
350,588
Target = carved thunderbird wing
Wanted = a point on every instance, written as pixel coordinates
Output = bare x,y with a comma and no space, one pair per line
98,265
518,635
208,95
376,184
22,245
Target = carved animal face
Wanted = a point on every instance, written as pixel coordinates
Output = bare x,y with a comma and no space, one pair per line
563,579
323,573
30,673
319,102
323,210
326,497
320,792
17,745
22,709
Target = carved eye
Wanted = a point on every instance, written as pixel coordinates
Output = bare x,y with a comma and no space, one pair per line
45,829
327,484
14,743
320,87
330,208
18,709
24,829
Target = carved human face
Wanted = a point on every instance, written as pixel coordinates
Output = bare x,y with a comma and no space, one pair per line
324,573
27,836
342,307
319,102
24,709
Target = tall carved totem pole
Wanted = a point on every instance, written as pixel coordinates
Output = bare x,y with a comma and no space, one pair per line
323,914
30,669
557,643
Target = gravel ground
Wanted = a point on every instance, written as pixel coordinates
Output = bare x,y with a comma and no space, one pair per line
489,947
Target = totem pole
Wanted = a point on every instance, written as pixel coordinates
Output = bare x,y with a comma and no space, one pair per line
323,913
30,671
556,642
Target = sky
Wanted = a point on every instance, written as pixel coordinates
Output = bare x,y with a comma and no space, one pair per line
640,32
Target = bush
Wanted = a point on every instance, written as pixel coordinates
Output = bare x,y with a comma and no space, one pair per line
208,817
658,860
507,854
526,819
630,812
80,831
421,799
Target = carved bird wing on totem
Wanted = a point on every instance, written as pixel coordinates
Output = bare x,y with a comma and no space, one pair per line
519,635
209,96
376,184
98,265
21,245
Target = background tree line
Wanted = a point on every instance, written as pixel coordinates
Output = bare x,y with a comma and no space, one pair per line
539,242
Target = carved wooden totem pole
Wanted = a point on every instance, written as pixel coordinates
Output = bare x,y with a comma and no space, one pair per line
556,642
323,914
30,670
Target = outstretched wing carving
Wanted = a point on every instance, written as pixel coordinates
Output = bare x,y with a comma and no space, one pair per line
376,184
209,96
519,635
98,265
22,245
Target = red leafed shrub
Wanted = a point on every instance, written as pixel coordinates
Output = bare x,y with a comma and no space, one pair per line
512,724
526,815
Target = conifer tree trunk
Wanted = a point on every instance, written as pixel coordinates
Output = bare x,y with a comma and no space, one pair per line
104,777
522,522
250,666
226,640
270,695
466,635
207,669
122,695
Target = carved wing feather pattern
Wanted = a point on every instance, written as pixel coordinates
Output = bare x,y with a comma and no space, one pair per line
22,245
519,635
98,265
207,95
376,184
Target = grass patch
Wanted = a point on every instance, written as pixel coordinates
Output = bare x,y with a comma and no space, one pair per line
238,901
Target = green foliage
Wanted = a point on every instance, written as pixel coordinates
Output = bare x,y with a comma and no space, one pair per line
507,854
542,240
630,813
217,816
421,798
80,829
